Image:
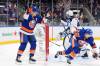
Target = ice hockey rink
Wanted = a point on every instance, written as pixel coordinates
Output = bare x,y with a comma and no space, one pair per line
8,55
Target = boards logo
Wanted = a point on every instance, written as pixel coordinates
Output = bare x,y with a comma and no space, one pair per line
15,33
6,34
9,34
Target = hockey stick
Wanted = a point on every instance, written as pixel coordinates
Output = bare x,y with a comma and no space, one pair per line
55,43
66,34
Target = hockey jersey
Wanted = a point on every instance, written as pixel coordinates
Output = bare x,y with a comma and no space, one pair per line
29,23
89,40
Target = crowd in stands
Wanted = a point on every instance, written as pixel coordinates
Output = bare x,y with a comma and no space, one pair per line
9,12
94,8
54,12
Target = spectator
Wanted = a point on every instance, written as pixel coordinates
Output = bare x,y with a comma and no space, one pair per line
49,15
97,12
85,20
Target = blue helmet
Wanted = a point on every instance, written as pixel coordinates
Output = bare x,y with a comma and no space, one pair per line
89,31
35,8
38,18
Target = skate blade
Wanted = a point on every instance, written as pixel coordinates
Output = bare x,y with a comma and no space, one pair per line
18,63
69,63
32,62
85,57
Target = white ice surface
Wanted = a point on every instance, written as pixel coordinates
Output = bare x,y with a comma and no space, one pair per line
8,55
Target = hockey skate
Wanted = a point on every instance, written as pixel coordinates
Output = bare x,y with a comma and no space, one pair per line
18,60
32,60
68,61
99,55
85,55
57,54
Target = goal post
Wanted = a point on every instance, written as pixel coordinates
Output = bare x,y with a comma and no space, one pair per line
47,40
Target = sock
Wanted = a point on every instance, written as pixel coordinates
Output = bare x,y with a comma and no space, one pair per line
70,58
18,56
31,55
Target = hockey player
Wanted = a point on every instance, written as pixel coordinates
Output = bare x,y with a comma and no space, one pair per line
26,34
73,49
74,23
86,35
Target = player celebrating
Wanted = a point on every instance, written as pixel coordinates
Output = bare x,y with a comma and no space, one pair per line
26,34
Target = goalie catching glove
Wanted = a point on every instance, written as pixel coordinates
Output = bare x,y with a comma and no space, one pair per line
95,55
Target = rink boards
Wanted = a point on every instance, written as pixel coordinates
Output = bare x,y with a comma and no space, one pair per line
10,35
